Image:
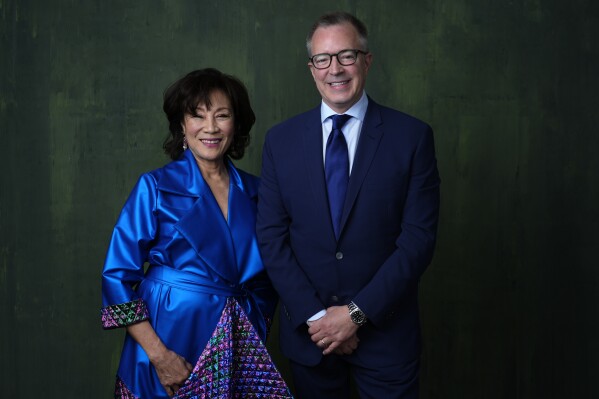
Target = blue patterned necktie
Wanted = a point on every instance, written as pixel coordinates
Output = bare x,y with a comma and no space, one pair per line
336,169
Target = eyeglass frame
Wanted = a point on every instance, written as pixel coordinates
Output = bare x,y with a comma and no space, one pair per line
356,51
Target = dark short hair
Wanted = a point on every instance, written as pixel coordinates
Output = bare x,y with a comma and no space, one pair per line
338,18
184,96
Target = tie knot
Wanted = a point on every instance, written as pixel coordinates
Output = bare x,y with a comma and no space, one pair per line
339,120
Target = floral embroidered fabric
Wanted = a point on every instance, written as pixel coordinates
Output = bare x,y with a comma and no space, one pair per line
124,314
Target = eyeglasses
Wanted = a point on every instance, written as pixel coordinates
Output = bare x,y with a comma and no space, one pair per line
344,57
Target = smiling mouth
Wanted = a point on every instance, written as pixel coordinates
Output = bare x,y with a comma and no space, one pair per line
339,84
210,141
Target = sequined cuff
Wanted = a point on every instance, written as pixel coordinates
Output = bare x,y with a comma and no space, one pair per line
124,314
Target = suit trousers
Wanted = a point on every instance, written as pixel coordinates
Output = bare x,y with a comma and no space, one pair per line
330,379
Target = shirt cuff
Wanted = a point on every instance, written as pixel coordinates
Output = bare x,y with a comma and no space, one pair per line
317,316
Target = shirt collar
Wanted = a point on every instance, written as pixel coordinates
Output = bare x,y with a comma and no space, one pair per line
358,110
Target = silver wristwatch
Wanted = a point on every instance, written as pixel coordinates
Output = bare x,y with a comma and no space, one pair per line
357,316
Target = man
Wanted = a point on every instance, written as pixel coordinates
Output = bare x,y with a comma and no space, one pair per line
347,220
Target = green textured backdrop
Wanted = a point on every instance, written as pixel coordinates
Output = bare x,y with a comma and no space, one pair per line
510,304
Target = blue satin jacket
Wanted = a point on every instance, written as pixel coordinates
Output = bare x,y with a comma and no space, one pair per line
197,259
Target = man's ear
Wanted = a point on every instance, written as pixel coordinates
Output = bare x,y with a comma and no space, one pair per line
368,60
311,68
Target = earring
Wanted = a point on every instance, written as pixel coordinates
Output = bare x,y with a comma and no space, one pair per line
184,143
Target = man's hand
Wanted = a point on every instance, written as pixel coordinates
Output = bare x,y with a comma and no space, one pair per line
335,331
348,346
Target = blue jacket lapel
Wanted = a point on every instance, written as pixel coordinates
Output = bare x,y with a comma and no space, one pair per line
183,177
203,225
243,197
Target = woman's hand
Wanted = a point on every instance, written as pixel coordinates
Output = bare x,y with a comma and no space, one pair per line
172,369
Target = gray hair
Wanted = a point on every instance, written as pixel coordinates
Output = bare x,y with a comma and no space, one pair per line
339,18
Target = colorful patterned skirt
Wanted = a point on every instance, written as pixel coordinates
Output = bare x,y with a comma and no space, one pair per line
234,364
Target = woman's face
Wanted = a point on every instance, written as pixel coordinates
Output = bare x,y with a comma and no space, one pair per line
210,131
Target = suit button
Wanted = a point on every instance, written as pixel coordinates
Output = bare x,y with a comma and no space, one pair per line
334,298
339,255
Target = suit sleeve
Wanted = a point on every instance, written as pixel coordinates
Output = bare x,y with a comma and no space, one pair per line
298,296
400,273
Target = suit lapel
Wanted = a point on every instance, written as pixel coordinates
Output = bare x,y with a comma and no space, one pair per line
370,137
312,143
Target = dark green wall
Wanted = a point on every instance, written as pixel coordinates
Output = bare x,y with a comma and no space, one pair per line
509,305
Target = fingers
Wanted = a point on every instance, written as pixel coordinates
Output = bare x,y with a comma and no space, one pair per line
173,370
317,338
352,342
327,344
189,367
314,328
172,389
322,343
330,348
343,350
346,347
327,347
334,334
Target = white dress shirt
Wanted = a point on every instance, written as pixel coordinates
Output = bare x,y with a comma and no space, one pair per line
351,132
351,129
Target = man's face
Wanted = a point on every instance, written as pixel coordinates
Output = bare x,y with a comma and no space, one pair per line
340,86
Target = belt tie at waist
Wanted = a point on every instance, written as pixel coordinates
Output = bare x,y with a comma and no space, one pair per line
193,282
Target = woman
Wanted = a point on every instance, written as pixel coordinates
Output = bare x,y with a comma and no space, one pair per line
197,318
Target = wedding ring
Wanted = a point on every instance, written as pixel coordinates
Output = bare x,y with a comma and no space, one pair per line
323,343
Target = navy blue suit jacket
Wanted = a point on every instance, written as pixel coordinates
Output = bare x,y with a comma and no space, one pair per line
388,231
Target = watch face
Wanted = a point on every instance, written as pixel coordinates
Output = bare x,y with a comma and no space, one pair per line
358,317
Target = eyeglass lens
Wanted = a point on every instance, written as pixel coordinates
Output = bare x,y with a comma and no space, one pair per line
345,57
